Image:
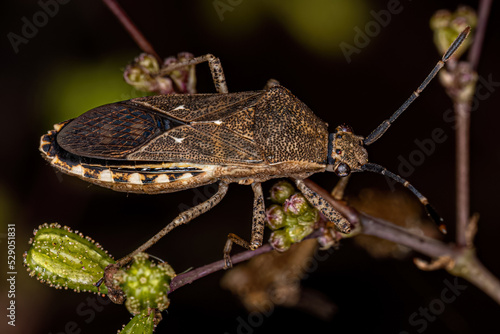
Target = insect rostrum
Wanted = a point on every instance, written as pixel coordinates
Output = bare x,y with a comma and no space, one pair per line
167,143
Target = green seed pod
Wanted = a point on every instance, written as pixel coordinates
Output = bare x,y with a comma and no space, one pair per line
140,324
145,284
281,191
66,259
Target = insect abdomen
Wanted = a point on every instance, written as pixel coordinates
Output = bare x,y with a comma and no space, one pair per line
125,176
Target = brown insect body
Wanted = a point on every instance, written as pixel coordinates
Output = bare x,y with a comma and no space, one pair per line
168,143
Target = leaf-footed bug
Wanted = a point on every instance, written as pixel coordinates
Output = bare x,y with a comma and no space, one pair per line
167,143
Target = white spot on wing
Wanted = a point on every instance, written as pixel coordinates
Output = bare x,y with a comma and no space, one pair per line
218,122
177,140
180,107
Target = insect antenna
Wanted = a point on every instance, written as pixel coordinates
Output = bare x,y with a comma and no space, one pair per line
382,128
371,167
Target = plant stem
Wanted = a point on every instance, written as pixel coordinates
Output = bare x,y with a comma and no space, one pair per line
192,275
131,28
475,51
462,134
467,265
462,140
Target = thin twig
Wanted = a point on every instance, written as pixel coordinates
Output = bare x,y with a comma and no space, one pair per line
131,28
462,134
482,22
193,275
462,140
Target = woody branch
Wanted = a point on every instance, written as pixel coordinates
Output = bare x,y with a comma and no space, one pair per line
465,264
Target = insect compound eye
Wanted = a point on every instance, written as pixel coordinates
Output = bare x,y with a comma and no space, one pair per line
345,128
343,169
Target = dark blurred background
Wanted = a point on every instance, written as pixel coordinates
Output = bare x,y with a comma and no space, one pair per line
75,62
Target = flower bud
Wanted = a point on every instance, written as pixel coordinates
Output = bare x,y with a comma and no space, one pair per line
280,241
142,73
296,205
299,232
310,217
281,191
184,78
275,217
447,26
145,284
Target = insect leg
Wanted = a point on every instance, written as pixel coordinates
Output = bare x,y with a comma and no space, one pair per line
215,68
183,218
258,223
322,205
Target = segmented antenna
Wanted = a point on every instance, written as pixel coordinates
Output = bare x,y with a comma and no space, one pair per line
370,167
382,128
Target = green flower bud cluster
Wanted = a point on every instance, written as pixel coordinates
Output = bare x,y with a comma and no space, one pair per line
145,74
66,259
145,284
291,218
447,26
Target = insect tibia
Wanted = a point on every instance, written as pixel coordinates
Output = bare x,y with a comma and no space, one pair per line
370,167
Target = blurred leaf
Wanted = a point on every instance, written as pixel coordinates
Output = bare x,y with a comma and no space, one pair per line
319,25
73,88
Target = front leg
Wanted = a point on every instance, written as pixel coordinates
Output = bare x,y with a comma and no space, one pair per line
326,209
258,223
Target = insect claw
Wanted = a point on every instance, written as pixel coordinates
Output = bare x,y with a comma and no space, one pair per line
228,263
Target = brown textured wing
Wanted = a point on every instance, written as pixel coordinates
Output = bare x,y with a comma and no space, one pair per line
110,131
201,128
199,107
